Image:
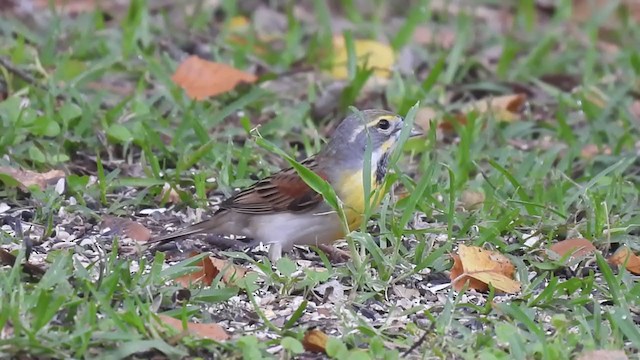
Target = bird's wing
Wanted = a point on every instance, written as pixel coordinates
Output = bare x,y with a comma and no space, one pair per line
282,191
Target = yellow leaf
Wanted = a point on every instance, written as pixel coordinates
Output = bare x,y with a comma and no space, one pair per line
238,23
372,54
505,108
488,267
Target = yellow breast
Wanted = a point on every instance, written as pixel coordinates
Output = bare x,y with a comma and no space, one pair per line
351,192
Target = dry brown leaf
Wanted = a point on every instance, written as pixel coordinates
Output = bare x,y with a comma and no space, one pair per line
77,6
126,227
7,258
201,78
584,10
489,267
505,108
456,273
603,355
472,200
210,267
634,109
315,341
424,116
28,178
577,247
590,151
444,38
620,258
369,53
210,331
169,194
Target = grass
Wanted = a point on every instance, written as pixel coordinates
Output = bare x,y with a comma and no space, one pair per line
94,96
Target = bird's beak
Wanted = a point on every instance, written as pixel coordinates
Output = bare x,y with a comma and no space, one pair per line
415,132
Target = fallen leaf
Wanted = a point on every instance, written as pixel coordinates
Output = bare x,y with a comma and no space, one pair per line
505,108
369,53
315,341
603,355
210,267
210,330
457,272
201,78
238,23
634,109
584,10
126,227
590,151
489,267
424,116
579,248
444,38
28,178
7,258
169,194
472,200
625,255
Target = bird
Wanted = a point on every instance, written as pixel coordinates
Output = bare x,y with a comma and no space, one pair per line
283,211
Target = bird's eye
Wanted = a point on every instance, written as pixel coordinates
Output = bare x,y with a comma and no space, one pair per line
384,124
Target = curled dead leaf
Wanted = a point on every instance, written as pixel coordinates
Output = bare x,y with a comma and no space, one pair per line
28,178
315,341
210,330
126,227
201,78
623,256
488,267
209,268
370,54
578,248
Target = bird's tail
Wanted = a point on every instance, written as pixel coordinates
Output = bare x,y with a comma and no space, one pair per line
197,228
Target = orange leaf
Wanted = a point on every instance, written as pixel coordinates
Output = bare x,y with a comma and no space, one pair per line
210,267
620,258
489,267
578,248
201,78
230,272
458,279
126,227
315,341
210,331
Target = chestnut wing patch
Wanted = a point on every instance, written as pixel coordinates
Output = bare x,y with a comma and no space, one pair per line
283,191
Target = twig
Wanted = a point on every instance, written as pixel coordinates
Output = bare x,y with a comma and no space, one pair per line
7,64
417,343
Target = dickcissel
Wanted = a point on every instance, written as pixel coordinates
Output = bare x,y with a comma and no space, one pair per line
282,210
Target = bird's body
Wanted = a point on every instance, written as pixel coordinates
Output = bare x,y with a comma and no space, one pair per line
283,211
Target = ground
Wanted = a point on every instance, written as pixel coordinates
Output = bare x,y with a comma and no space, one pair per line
135,119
